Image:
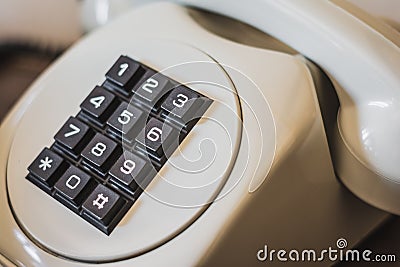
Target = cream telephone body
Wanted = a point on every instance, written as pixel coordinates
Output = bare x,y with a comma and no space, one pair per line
265,142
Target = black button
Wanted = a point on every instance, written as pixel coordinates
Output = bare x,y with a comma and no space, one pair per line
99,104
100,153
152,87
182,104
73,136
125,73
158,138
72,186
126,121
47,167
102,204
129,171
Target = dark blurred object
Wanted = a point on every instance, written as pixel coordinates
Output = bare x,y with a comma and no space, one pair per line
19,66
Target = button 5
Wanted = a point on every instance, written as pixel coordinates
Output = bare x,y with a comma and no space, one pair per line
125,121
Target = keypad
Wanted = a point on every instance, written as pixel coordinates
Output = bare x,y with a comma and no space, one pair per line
104,157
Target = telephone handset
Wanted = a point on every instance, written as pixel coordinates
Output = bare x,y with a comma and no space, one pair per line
260,158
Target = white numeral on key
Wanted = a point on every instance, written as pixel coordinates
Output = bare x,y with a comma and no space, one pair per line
128,167
149,85
123,67
154,134
97,101
75,130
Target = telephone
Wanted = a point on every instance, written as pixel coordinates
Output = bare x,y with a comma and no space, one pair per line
175,137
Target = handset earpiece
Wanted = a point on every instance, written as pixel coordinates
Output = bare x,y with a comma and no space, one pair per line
364,63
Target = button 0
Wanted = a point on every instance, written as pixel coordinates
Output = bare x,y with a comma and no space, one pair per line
125,73
98,105
102,204
182,104
47,167
73,136
73,185
100,153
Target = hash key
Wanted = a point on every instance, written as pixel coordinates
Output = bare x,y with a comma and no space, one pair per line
102,204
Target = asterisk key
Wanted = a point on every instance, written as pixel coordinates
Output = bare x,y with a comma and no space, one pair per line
45,163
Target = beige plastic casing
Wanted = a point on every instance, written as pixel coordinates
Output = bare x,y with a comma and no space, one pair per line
281,210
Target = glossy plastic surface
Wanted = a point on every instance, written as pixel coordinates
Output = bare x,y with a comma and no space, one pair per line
274,181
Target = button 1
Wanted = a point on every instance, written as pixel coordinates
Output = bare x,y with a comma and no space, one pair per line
126,121
151,88
72,186
158,137
47,167
125,73
100,153
99,104
129,171
102,204
182,104
73,136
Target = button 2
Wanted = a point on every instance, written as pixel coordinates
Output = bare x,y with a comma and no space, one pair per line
151,88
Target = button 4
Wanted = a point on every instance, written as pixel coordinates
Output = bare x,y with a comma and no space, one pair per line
99,105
